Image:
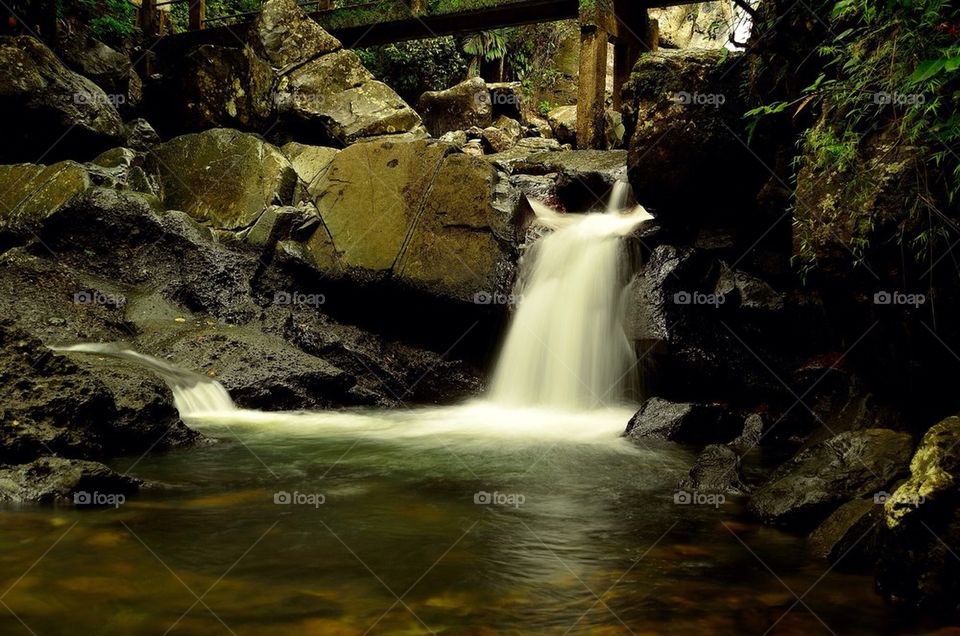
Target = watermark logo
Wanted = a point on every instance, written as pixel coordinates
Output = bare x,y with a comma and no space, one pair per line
296,498
486,298
498,98
84,498
93,297
698,298
884,98
484,498
297,298
909,499
694,498
113,99
699,99
898,298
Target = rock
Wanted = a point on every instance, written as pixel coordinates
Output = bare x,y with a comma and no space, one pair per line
750,437
456,138
309,162
223,177
261,371
496,140
717,470
682,422
89,409
584,177
335,94
30,193
57,113
921,525
58,480
283,36
614,131
140,135
429,219
125,169
109,69
473,148
683,115
694,25
458,108
849,534
563,122
810,486
523,149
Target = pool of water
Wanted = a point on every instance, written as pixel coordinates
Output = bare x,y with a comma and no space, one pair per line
447,521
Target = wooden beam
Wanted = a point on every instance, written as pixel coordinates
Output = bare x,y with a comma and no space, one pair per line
149,23
198,14
592,92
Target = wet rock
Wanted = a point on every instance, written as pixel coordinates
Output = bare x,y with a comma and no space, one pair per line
140,135
693,25
458,108
88,409
223,177
682,422
921,525
717,470
750,437
523,149
683,116
584,177
109,69
58,480
810,486
125,169
30,193
283,36
55,110
849,535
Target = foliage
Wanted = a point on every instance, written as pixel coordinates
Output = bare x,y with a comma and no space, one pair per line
891,68
485,46
108,20
411,68
218,12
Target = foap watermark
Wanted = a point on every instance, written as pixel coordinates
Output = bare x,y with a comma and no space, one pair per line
884,98
296,498
298,298
497,98
899,499
694,498
698,298
94,297
898,298
496,298
84,498
699,99
484,498
113,99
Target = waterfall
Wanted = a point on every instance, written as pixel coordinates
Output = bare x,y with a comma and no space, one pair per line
193,394
566,346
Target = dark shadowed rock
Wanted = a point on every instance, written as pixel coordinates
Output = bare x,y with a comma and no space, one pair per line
683,422
79,409
140,135
850,534
717,470
53,112
811,485
283,37
107,68
58,480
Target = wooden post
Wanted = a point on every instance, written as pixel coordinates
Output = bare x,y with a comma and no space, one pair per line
198,14
148,18
591,96
637,34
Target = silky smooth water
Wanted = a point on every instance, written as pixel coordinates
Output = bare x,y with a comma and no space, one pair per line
582,537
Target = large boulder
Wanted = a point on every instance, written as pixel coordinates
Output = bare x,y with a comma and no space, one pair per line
850,534
30,193
584,178
52,111
415,211
79,409
563,122
699,25
223,177
683,118
107,68
283,37
921,525
717,470
463,106
810,486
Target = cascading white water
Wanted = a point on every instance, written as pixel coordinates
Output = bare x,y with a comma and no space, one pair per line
193,394
566,346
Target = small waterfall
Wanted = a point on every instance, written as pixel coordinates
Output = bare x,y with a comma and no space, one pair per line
566,346
193,394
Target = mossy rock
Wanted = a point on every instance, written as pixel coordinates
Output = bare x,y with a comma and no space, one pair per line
31,193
